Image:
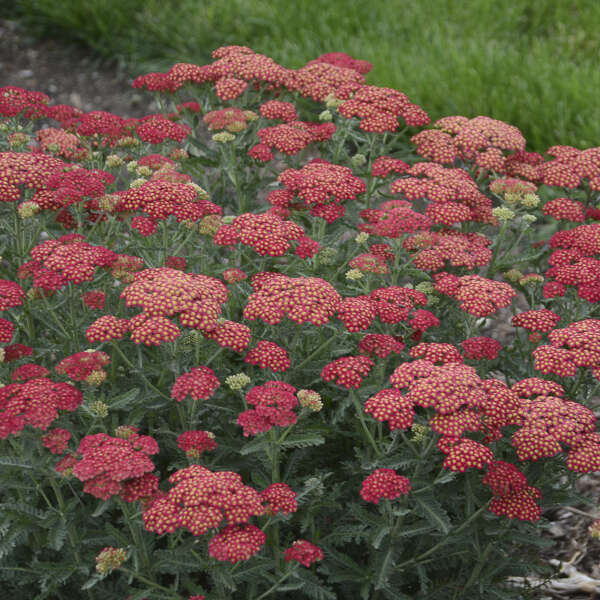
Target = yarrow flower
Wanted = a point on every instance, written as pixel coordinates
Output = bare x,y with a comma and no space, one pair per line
200,499
35,402
80,366
302,299
513,498
107,463
384,483
110,558
279,498
477,295
273,406
268,355
194,443
392,406
478,348
56,440
304,552
200,384
348,371
237,542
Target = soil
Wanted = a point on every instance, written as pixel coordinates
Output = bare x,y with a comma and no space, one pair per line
72,75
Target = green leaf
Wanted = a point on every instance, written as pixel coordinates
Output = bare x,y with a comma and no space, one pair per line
383,531
256,445
123,400
9,461
303,440
429,508
141,594
313,588
415,530
385,568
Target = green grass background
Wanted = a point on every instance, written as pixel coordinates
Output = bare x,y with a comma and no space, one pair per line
532,63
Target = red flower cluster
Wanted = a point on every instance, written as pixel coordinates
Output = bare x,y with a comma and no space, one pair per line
290,138
29,371
232,119
56,440
384,483
513,498
230,334
11,294
318,80
278,110
107,463
200,383
571,166
15,100
160,199
379,108
268,355
393,219
304,552
477,295
35,402
481,140
273,406
237,542
565,209
348,371
392,406
322,187
68,259
381,345
453,194
369,263
155,129
266,233
200,499
94,299
341,59
164,292
279,498
464,453
384,165
548,421
194,443
81,365
478,348
542,320
300,299
448,248
575,262
577,345
436,352
59,142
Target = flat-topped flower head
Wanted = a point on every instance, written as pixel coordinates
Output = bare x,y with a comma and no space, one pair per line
392,406
235,543
279,498
303,552
106,463
348,371
481,347
542,320
268,355
35,402
384,483
194,443
200,499
301,299
477,295
274,405
200,384
81,365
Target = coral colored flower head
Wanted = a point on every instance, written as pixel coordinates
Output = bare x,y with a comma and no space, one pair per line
304,552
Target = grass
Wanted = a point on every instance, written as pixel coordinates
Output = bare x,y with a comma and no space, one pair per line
532,64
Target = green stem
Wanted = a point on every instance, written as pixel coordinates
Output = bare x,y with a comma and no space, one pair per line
365,428
315,352
274,586
151,583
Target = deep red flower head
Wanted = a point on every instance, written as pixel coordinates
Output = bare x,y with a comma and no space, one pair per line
279,498
392,406
35,402
200,384
194,443
348,371
384,483
82,364
304,552
268,355
237,542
